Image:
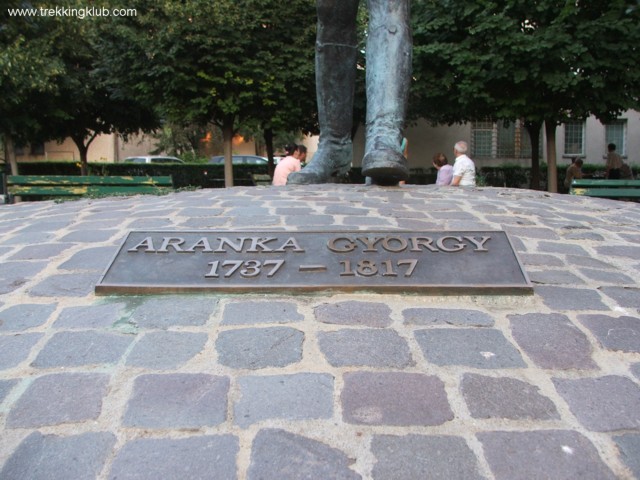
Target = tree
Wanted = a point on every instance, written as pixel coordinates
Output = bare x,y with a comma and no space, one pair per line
546,61
29,70
201,61
52,89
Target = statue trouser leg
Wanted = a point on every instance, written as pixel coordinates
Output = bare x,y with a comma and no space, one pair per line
389,48
336,54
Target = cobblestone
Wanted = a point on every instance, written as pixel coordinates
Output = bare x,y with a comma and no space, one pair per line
330,384
552,341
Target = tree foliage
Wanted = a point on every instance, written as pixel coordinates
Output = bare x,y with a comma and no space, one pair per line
52,88
227,62
545,60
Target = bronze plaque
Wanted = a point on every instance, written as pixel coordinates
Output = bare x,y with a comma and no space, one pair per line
460,262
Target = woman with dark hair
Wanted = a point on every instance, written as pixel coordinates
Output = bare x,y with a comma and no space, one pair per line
445,171
289,164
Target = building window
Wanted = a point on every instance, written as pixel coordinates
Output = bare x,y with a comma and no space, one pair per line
500,140
574,138
616,132
482,139
37,148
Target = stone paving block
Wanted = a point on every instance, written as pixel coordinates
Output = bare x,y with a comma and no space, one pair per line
368,221
629,447
589,262
423,457
202,457
621,334
14,275
255,348
552,341
603,404
299,396
607,277
564,298
203,223
591,236
280,455
532,232
180,400
16,348
72,349
635,369
52,457
473,347
45,251
308,221
365,347
22,317
89,235
92,316
170,311
67,285
562,248
254,221
238,313
394,398
369,314
166,350
490,397
548,454
537,259
555,277
626,297
446,316
5,388
96,258
630,252
59,398
44,226
346,210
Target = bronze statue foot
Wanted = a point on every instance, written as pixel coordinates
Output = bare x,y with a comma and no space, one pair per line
385,167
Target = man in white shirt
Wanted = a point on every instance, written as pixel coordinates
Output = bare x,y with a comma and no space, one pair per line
464,170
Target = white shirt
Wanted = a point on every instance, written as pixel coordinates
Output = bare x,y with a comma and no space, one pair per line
466,169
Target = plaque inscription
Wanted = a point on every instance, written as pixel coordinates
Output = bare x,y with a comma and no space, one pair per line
426,261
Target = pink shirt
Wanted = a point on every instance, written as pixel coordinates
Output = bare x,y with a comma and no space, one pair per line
285,166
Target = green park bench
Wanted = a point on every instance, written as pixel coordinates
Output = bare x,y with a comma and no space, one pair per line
616,189
75,185
260,179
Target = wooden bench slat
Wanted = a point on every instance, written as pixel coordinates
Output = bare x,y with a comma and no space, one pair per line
69,191
87,180
605,183
75,185
607,192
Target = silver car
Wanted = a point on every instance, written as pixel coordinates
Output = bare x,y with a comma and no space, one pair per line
153,159
240,160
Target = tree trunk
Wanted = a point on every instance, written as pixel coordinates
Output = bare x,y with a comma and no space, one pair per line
534,134
84,152
552,164
268,140
10,161
10,155
227,139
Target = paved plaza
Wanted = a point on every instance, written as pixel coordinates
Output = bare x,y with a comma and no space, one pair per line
321,385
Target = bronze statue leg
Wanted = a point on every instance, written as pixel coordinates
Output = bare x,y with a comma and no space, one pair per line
389,47
336,54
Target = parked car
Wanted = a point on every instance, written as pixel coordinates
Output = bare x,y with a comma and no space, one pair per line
153,159
240,160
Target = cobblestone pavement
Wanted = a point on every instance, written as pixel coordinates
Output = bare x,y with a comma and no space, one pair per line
322,385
